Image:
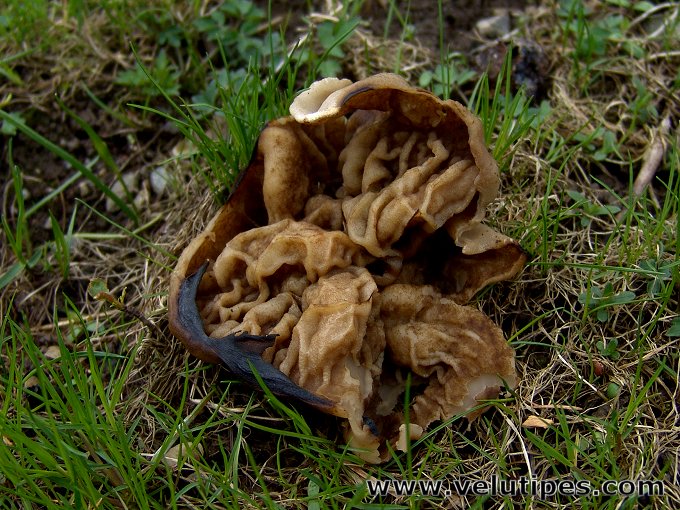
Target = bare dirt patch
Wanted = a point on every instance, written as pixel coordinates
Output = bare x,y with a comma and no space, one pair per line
456,28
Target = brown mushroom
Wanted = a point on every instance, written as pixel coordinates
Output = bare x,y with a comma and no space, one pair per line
344,258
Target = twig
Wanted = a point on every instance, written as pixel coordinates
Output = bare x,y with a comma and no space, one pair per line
652,158
97,289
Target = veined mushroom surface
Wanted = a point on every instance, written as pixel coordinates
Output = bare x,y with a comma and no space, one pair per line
344,259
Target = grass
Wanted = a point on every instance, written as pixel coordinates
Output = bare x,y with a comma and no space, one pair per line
101,409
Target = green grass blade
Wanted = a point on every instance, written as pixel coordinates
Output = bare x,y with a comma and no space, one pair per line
9,276
8,73
54,193
62,251
132,233
66,156
98,144
103,106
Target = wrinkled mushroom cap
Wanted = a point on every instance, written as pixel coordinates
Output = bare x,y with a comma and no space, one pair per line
353,242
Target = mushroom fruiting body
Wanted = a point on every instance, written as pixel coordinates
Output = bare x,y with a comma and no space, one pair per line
345,256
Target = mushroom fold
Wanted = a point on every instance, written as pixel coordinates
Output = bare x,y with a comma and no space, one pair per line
341,266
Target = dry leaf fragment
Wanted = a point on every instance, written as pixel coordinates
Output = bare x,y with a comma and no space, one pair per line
536,422
31,382
180,452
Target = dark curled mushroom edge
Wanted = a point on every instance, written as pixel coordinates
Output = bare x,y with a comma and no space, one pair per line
239,353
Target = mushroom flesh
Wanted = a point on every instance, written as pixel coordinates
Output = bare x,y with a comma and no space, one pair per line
340,267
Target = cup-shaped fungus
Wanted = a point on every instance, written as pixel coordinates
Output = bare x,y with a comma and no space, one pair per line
343,260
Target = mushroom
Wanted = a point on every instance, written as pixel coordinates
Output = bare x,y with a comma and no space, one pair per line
344,260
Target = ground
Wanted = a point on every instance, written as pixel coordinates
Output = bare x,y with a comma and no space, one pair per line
84,342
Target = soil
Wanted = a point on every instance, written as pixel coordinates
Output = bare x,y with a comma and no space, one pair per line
459,19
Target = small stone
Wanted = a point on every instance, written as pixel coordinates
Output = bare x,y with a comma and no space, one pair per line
183,149
53,352
159,180
142,198
494,27
131,181
84,188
